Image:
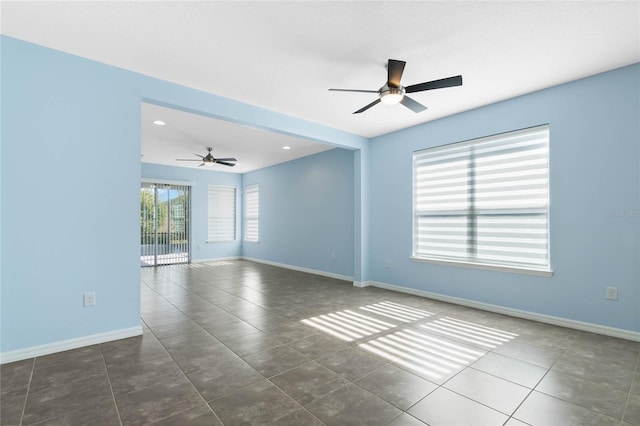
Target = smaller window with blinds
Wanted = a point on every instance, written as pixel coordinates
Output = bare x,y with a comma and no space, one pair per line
485,202
221,214
251,213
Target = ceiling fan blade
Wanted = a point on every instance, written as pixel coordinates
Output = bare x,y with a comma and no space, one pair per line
201,165
353,90
435,84
198,155
412,105
225,159
184,159
363,109
395,69
224,163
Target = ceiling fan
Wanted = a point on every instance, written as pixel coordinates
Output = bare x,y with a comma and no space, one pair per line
210,159
393,92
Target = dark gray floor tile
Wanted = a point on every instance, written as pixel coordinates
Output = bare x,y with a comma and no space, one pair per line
228,331
192,359
297,418
352,405
292,331
611,373
542,355
15,377
591,395
216,319
134,376
541,409
175,329
138,348
252,343
58,399
520,372
492,391
271,321
196,338
605,349
632,410
635,385
200,416
259,403
155,320
353,363
319,346
276,360
187,305
226,378
397,386
71,359
156,403
11,408
443,407
103,413
309,382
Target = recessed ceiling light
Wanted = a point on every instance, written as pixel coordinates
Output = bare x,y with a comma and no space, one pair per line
286,147
159,123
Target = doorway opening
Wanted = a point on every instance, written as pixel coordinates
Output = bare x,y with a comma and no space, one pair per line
164,224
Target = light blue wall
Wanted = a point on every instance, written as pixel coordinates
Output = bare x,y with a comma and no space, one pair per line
594,155
307,212
70,133
70,175
70,178
200,180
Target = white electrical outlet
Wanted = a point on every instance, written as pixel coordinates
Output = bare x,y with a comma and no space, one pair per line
333,255
387,264
89,299
612,293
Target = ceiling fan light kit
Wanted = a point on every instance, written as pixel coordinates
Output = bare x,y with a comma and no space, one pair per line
393,92
391,95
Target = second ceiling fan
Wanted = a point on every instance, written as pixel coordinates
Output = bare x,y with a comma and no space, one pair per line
393,92
210,159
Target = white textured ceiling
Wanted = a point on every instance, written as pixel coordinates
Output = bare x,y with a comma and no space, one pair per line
283,56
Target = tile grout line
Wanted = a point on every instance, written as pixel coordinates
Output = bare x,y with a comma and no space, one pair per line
113,396
626,404
26,395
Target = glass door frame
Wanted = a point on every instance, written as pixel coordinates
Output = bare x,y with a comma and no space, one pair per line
169,247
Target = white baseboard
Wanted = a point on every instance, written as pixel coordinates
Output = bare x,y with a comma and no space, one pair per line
301,269
547,319
65,345
216,259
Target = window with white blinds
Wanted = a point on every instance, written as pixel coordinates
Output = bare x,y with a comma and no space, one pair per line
222,213
251,213
485,202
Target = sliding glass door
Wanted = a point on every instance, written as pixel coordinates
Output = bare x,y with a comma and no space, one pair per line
164,224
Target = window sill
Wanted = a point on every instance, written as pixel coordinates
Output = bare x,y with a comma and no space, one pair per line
536,272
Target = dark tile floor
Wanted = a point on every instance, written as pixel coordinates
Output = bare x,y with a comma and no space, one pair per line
231,343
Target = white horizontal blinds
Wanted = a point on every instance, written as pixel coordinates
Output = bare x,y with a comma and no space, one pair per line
221,213
251,213
485,201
